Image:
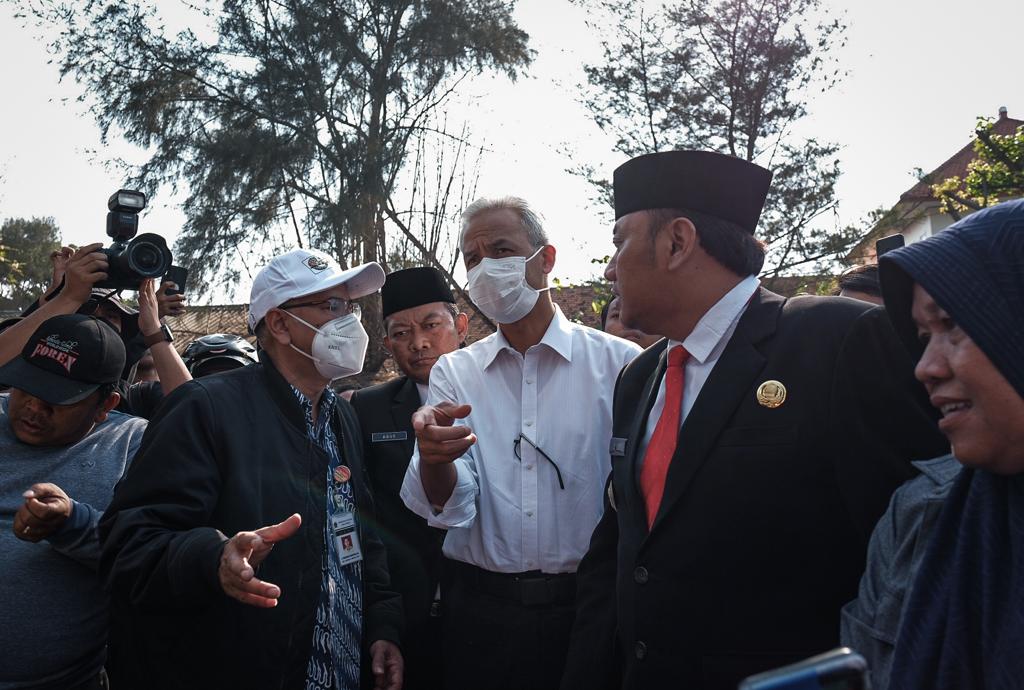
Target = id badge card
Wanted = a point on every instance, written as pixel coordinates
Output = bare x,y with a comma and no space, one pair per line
346,538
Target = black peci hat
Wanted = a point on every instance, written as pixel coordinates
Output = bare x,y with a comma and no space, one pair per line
66,360
413,287
719,185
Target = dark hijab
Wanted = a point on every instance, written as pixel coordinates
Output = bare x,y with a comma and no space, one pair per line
963,628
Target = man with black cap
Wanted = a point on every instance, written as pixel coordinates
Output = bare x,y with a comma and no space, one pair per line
62,450
421,323
752,451
138,330
268,454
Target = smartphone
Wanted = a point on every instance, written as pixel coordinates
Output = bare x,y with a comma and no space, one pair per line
840,669
887,244
177,275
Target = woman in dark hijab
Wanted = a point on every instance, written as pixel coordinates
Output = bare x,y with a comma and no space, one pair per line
957,299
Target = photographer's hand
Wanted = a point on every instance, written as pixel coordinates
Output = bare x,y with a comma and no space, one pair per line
85,268
170,369
149,318
170,305
59,263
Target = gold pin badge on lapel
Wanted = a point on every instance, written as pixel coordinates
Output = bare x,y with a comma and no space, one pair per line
771,394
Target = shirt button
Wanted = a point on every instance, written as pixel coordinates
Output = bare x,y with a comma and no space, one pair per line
529,423
640,650
529,513
529,564
640,575
529,467
529,382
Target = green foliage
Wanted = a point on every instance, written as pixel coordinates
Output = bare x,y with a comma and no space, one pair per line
996,173
293,123
732,76
25,269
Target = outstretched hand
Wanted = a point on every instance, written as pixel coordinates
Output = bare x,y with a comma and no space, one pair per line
242,555
439,440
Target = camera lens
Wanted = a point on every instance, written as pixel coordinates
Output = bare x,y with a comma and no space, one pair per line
147,257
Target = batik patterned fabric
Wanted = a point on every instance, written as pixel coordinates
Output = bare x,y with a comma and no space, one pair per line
337,633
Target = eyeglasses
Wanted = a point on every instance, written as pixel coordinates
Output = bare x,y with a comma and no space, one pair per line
515,449
335,305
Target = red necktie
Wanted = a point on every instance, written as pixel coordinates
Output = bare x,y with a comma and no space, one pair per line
663,441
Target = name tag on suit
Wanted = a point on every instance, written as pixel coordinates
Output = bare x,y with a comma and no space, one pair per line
385,436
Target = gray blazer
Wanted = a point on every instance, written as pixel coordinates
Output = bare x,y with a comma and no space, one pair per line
870,623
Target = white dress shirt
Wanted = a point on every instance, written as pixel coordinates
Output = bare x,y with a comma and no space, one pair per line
705,344
509,515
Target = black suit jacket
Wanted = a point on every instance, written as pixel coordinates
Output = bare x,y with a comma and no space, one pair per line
762,531
414,549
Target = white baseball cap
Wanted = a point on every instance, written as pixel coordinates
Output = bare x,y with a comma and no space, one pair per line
303,272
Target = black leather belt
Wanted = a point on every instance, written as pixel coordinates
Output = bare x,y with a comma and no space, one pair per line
532,588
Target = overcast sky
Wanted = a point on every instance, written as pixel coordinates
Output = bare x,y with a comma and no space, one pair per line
920,72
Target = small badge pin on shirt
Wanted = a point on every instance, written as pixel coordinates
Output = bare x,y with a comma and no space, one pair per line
342,474
771,394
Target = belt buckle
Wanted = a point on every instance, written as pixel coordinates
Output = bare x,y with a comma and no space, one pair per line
535,591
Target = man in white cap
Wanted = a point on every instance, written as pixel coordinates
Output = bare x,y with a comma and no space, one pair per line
269,454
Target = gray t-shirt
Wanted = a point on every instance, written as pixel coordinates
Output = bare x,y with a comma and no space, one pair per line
53,616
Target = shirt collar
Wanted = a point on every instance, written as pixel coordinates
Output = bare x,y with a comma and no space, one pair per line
327,402
718,321
558,337
423,390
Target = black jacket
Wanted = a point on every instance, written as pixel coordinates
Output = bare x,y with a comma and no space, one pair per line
414,549
762,531
225,454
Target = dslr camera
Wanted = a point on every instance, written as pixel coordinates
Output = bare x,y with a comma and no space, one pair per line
131,258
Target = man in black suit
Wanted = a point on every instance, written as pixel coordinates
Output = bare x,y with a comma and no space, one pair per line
421,323
752,451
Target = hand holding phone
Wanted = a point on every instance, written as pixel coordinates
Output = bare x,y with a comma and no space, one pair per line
179,276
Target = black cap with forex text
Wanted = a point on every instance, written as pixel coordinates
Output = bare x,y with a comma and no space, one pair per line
66,360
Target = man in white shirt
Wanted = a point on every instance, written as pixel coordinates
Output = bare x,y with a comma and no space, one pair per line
512,458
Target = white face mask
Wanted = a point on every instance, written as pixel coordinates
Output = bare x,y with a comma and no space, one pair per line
499,288
339,346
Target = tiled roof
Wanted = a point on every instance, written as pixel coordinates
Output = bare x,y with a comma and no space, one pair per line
919,200
200,321
957,164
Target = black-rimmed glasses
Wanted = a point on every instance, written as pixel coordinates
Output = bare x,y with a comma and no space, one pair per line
519,457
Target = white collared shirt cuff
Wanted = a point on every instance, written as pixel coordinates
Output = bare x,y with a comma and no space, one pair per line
458,511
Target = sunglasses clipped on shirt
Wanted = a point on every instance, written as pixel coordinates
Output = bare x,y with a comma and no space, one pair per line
519,457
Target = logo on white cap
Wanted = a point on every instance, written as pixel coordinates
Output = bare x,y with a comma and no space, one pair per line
316,264
304,272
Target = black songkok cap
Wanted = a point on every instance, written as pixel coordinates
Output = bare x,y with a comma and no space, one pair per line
722,186
413,287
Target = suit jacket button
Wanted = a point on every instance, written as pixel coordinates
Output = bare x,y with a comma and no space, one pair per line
640,649
640,575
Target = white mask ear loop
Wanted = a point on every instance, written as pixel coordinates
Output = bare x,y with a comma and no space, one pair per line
305,323
539,250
